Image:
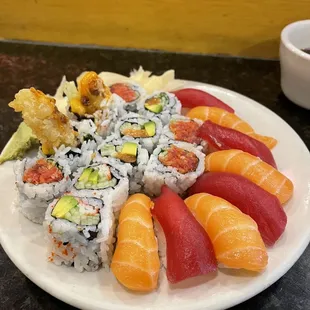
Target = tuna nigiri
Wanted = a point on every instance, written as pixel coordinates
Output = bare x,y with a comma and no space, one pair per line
234,235
222,138
229,120
189,250
135,262
252,168
190,98
264,208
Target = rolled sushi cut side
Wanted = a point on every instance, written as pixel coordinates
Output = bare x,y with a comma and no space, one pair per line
130,93
39,181
134,127
182,160
160,104
128,153
105,179
98,177
176,164
75,230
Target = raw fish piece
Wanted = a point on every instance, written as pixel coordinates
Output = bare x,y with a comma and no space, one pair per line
234,235
191,98
222,138
135,262
229,120
189,250
252,168
264,208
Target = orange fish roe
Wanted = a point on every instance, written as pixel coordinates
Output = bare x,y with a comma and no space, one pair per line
185,131
184,161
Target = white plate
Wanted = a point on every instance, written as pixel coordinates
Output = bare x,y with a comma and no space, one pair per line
24,243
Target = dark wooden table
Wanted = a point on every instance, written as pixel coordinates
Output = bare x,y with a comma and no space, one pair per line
25,65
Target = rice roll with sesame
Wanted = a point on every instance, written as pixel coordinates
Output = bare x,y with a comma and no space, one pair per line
39,181
176,164
129,153
131,94
139,128
80,232
105,179
160,104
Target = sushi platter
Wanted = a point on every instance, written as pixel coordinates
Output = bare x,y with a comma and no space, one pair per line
148,192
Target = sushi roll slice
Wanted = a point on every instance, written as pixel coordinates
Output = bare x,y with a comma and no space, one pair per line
139,128
129,153
76,157
160,104
39,181
105,179
181,128
80,232
130,93
176,164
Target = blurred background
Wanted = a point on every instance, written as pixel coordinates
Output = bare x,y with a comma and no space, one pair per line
231,27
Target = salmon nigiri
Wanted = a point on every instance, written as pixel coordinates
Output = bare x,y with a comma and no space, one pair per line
252,168
234,235
135,262
229,120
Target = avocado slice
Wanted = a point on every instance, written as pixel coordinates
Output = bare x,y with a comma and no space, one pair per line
94,176
64,205
130,148
155,108
150,128
85,175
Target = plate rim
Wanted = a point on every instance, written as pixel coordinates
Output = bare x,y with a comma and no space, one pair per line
67,298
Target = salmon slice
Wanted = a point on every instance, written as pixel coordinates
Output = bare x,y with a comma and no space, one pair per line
229,120
235,237
252,168
135,262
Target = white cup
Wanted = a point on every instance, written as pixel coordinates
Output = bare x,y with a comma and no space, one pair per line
295,64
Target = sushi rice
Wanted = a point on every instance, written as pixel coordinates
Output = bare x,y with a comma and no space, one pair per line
111,147
168,106
83,244
115,189
137,122
157,174
33,199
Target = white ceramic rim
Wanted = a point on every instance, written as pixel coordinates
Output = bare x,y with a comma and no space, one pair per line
68,298
286,41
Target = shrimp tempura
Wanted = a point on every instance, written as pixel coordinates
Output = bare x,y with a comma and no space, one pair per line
40,113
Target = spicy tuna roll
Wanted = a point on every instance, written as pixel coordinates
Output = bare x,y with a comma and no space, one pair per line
181,128
80,232
160,104
105,179
129,153
139,128
38,181
130,93
176,164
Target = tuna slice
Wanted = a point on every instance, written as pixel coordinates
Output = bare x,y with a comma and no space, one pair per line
264,208
189,249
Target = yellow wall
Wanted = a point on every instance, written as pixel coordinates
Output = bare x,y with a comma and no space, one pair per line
235,27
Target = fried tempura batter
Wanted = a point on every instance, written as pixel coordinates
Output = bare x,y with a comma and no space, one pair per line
90,93
40,113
